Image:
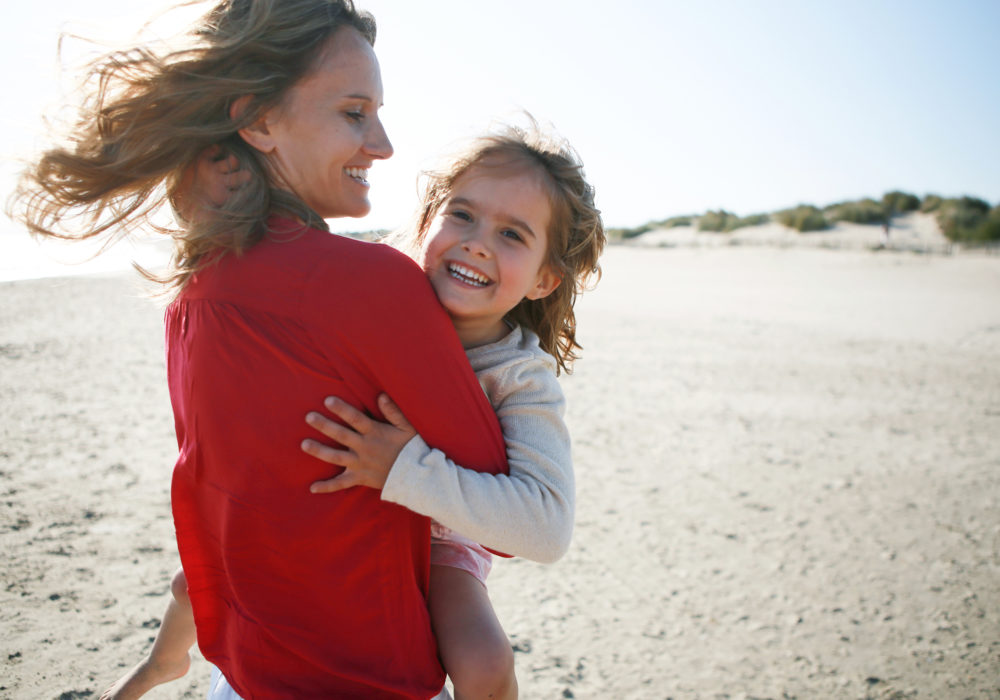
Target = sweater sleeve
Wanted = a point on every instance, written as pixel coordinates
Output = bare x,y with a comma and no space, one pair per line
528,513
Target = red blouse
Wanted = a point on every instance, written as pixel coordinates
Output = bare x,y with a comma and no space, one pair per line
298,595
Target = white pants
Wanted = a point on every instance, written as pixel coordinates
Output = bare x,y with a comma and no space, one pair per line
219,689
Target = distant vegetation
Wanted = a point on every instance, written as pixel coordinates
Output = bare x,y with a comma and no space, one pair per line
968,220
962,219
897,202
931,203
803,218
863,211
617,234
723,221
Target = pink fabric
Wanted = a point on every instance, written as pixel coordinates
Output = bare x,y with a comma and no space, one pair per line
448,548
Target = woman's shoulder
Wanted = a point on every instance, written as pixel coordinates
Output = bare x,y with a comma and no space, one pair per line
338,251
370,279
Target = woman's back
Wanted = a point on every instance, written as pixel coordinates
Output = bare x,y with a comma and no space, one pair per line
253,343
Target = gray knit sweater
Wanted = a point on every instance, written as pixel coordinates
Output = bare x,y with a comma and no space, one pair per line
528,513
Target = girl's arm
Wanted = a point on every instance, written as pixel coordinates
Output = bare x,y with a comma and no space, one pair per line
528,513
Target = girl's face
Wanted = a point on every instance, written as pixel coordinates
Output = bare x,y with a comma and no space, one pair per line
485,250
326,133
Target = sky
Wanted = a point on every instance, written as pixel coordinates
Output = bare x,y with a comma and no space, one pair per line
675,107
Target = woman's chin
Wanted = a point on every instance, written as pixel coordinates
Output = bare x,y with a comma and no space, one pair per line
355,210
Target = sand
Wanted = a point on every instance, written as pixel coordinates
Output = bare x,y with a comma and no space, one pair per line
787,465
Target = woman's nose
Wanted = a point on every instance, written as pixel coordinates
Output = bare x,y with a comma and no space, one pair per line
378,145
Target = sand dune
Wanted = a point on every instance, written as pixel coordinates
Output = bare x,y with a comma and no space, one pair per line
787,466
912,232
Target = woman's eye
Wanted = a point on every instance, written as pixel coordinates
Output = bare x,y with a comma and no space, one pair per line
356,116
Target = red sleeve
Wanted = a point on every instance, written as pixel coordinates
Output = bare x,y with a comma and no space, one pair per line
398,335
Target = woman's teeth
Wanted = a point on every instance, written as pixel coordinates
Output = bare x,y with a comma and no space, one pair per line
464,274
359,174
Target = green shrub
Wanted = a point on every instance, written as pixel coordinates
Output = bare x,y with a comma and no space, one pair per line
862,211
722,221
969,220
752,220
990,229
931,203
803,218
715,221
897,202
677,221
619,234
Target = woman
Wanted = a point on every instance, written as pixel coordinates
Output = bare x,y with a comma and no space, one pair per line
293,595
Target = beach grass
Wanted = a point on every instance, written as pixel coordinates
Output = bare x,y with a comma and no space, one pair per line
803,218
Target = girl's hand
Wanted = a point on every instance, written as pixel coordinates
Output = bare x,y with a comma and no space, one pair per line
370,446
206,184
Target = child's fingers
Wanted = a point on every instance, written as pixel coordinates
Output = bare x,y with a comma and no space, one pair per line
330,455
237,178
393,413
337,483
343,434
347,413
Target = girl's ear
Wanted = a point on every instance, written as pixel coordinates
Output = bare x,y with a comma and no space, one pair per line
548,281
257,134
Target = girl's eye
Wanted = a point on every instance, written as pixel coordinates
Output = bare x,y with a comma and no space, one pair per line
512,234
459,214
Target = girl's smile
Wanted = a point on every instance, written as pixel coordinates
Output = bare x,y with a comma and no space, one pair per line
486,249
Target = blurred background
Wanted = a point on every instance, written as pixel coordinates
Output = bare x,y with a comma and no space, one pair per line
676,108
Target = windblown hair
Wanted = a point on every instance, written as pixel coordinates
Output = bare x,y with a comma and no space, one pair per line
149,115
575,236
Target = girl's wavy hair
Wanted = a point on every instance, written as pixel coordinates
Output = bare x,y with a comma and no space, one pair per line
150,114
575,236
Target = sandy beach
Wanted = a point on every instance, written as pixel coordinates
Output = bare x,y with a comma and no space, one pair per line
788,483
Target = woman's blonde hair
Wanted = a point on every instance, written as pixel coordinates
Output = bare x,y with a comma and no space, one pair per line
576,231
148,116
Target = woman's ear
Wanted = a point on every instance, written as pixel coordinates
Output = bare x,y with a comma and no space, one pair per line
548,281
257,134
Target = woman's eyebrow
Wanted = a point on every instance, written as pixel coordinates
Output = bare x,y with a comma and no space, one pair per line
363,98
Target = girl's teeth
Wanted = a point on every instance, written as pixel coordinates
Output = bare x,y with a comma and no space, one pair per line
464,274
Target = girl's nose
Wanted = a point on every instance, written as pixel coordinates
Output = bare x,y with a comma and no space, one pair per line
473,245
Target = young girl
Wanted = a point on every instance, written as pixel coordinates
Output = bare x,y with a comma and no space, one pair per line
508,235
